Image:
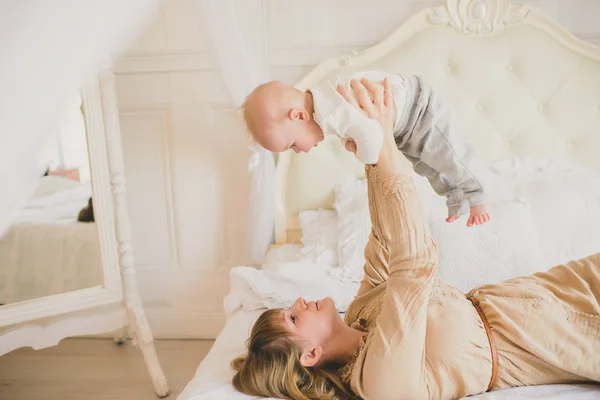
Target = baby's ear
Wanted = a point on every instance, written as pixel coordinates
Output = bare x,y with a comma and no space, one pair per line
299,114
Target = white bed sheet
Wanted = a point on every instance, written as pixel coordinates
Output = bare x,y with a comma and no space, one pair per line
57,200
213,377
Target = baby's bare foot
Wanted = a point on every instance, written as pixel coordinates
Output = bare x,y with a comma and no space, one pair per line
479,215
453,218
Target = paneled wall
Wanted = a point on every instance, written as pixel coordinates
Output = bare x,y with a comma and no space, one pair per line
185,151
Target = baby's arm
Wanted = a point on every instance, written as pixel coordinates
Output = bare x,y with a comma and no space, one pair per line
365,132
368,141
368,145
351,124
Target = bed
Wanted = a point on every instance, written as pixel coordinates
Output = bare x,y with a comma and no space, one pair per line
528,95
47,251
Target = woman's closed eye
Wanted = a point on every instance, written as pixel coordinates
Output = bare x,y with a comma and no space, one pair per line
293,319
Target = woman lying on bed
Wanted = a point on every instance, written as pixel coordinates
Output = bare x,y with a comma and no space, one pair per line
408,336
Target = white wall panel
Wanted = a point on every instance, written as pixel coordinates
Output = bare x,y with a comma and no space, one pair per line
148,172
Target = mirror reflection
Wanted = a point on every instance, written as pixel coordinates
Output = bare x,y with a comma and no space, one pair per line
53,246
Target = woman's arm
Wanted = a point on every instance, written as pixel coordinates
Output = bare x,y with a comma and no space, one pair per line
376,269
393,360
381,109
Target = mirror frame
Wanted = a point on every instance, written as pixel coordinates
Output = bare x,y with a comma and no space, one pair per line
103,136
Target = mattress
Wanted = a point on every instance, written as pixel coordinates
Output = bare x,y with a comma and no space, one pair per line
47,251
213,377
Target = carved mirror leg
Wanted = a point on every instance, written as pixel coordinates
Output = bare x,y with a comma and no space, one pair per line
142,335
121,336
139,329
138,324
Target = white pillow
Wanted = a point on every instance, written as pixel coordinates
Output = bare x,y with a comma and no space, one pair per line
51,184
525,167
354,225
506,247
544,212
319,237
564,203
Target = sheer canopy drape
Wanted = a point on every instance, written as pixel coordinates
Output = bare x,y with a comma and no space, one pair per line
48,49
242,70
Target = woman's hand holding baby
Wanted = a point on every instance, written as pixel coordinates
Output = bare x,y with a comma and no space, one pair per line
381,108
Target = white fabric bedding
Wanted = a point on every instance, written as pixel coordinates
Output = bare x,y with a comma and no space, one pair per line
280,283
546,213
57,200
47,251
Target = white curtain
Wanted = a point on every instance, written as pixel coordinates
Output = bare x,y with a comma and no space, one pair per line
242,71
47,50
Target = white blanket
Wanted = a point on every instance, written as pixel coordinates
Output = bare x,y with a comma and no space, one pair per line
279,283
55,202
544,213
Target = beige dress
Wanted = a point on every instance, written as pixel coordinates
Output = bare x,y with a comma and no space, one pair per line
425,340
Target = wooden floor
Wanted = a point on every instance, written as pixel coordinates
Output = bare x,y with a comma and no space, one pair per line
94,369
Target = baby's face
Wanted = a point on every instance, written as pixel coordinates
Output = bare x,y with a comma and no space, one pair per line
303,140
300,137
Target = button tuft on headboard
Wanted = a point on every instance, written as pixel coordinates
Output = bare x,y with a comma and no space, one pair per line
345,61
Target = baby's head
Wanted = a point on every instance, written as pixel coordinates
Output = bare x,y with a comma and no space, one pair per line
279,117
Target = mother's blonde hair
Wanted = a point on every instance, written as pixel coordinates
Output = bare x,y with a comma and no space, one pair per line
272,366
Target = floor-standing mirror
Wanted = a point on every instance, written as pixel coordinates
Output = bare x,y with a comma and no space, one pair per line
66,264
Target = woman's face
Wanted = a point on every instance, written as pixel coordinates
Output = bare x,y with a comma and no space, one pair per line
312,323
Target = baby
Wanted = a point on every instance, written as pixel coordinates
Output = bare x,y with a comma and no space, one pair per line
280,117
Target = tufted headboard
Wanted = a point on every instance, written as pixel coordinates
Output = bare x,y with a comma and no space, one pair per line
519,83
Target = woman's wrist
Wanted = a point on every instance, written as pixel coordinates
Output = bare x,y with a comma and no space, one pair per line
389,157
389,163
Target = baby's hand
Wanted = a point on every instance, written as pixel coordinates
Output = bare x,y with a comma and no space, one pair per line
479,215
350,146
